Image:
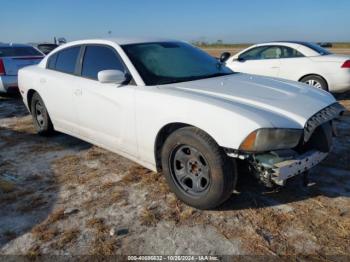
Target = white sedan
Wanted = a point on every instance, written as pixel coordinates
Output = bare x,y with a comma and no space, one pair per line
173,108
297,61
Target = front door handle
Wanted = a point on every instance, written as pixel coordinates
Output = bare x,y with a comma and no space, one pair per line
78,92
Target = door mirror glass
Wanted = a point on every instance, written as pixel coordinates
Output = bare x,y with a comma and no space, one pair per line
224,57
240,59
111,76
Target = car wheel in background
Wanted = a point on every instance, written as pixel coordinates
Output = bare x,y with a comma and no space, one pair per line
41,118
196,168
315,81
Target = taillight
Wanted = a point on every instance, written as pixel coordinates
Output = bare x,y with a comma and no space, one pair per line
2,68
346,64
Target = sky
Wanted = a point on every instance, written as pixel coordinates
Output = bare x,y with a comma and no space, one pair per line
232,21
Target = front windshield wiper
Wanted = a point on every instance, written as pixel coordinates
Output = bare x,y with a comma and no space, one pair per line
193,78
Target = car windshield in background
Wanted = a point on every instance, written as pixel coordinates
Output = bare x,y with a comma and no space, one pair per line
47,48
172,62
317,48
19,51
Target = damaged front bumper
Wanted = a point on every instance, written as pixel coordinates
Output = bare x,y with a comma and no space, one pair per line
275,167
286,169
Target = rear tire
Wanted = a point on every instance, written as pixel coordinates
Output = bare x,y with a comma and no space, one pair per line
41,118
196,168
315,81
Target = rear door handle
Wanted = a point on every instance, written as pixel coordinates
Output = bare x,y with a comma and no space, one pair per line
275,67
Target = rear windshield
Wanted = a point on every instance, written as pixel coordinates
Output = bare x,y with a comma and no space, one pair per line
19,51
47,48
317,48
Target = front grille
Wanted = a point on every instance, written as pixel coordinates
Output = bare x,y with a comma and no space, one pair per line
321,117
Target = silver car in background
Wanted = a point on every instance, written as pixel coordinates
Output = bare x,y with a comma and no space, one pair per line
12,58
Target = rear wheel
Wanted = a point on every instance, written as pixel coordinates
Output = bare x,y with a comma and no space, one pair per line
41,118
315,81
196,168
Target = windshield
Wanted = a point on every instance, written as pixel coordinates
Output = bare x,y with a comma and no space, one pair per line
171,62
19,51
317,48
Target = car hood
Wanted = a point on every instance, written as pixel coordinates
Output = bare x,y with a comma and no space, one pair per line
289,99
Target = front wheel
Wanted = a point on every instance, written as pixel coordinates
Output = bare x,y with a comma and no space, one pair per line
196,168
41,118
315,81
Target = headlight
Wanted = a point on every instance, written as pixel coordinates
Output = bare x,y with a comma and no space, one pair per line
267,139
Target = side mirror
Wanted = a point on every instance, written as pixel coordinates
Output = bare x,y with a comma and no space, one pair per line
224,57
111,76
240,59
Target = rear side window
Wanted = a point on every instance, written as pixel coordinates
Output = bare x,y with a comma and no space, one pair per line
98,58
19,51
288,52
66,60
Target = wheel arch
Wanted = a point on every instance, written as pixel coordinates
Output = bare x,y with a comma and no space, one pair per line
314,74
162,135
30,94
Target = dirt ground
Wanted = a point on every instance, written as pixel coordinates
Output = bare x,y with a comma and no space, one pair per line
60,195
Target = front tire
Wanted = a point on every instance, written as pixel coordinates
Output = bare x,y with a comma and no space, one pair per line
196,168
315,81
41,118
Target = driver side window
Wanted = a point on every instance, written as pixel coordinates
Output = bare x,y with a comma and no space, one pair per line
252,54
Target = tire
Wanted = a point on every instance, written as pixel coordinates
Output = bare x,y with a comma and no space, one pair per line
196,168
315,81
41,118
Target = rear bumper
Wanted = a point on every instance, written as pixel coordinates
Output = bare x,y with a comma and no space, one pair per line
8,84
286,169
340,82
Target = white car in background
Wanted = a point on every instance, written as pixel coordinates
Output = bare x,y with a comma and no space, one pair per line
171,107
297,61
12,58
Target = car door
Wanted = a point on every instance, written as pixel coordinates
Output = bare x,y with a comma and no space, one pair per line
105,110
261,60
57,87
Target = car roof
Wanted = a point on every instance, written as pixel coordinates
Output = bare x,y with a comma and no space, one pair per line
292,42
130,40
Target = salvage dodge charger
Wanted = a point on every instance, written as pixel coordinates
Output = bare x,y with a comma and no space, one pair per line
171,107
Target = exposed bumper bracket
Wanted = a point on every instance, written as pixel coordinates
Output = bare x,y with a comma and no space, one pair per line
289,168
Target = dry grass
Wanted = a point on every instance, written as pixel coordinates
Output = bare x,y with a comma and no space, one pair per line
33,252
6,187
46,230
149,217
32,204
103,243
97,224
67,237
13,196
44,233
